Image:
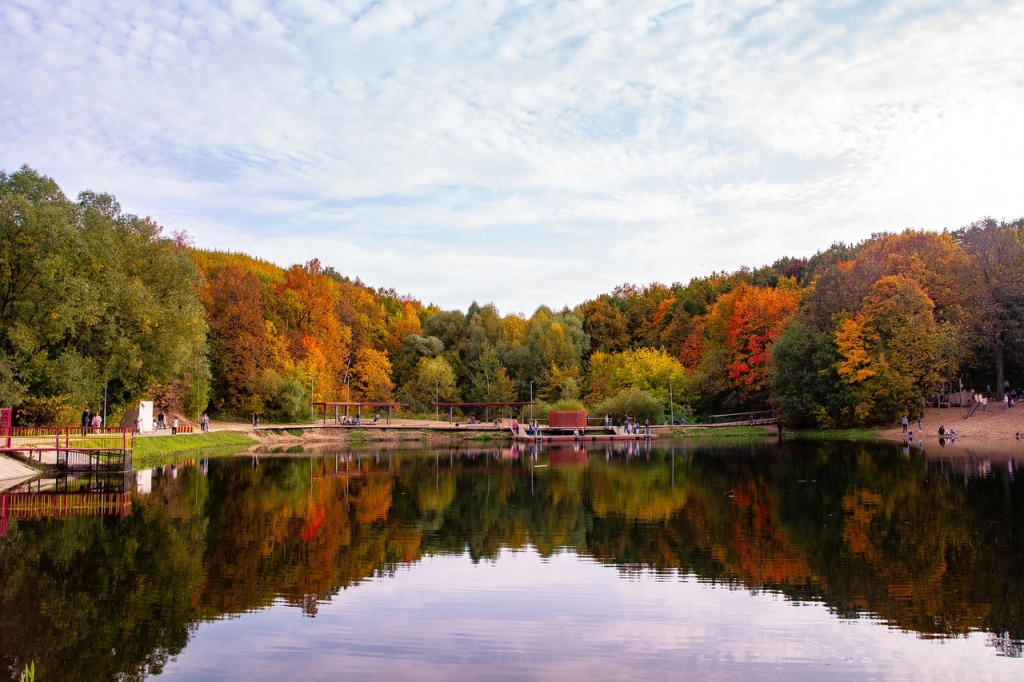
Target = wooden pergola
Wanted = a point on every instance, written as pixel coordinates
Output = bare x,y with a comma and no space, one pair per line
358,405
487,408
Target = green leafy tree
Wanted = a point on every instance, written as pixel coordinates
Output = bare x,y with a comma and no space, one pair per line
997,267
491,382
433,377
91,297
806,387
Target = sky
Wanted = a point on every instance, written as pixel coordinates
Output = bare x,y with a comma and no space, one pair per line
523,153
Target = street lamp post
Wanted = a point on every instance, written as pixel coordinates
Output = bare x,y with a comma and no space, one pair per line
671,405
437,399
312,413
531,401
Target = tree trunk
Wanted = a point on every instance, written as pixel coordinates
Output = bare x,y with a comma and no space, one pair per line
1000,369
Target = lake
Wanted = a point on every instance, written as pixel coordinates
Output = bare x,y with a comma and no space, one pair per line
805,560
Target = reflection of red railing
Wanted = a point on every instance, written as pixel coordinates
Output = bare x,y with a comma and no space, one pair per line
51,438
55,505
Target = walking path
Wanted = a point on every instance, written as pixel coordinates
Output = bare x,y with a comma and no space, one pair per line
13,472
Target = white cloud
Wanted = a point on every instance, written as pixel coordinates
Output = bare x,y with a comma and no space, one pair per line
592,143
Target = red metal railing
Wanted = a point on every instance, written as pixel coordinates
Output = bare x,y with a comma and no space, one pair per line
51,438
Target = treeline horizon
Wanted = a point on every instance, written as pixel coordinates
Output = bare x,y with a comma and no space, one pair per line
95,301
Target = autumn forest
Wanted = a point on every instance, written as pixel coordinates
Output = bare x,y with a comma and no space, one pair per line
93,299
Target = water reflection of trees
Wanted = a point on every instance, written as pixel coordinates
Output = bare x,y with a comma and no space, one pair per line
95,598
864,529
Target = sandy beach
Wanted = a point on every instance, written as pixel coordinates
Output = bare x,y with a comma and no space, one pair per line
996,423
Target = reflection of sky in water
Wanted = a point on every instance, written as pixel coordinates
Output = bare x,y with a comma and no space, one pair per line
562,618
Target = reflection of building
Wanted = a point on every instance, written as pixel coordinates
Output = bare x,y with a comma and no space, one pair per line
144,481
574,455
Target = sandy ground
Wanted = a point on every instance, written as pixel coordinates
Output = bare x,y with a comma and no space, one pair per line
997,422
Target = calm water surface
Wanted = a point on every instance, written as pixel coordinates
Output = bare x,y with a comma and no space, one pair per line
805,561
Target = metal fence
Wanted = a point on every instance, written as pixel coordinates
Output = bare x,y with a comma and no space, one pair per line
743,417
50,438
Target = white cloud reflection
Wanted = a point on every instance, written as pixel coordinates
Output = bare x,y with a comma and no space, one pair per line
521,616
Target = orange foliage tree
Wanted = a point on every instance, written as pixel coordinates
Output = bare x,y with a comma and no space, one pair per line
318,340
736,336
240,347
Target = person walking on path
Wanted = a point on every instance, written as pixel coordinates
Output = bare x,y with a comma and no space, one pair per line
174,426
919,424
86,418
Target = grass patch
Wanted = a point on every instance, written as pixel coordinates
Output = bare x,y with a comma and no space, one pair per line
296,432
723,433
155,449
484,437
833,434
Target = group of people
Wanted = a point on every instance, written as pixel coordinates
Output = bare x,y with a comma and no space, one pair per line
628,424
1010,396
94,420
905,422
161,423
91,419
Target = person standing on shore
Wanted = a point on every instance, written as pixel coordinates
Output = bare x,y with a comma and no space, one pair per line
174,426
904,422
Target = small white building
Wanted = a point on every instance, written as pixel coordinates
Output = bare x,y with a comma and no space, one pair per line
140,419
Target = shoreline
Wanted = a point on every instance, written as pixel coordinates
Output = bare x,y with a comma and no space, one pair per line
999,430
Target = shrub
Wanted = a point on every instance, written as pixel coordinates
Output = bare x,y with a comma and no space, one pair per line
638,405
45,412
